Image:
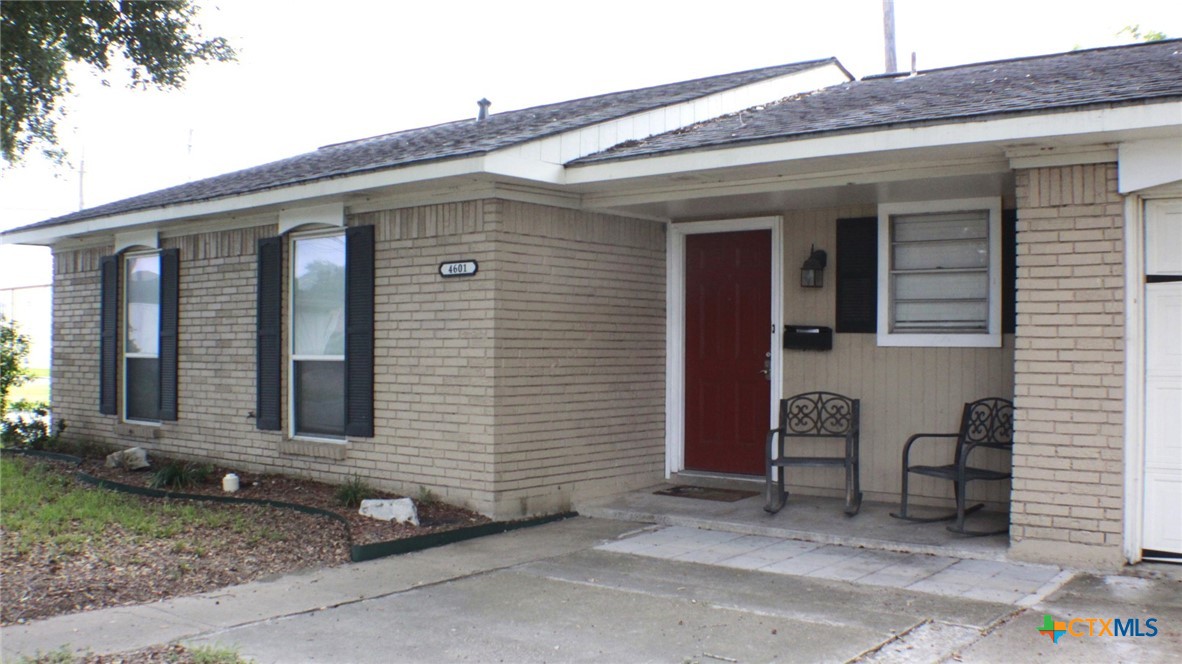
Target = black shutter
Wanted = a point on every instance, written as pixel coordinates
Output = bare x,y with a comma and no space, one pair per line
269,360
170,260
1009,271
857,275
359,292
109,335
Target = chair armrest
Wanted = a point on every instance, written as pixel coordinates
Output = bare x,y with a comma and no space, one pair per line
919,436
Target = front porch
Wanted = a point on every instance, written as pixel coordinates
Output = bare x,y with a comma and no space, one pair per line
805,518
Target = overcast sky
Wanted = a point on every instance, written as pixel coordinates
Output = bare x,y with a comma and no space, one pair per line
310,73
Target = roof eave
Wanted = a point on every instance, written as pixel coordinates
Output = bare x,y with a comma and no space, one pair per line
1011,128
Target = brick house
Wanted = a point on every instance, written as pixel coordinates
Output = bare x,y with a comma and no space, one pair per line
528,310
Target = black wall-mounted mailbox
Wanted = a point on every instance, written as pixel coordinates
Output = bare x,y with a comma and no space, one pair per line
808,337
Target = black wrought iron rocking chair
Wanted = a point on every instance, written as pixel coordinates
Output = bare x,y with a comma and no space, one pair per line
814,415
986,423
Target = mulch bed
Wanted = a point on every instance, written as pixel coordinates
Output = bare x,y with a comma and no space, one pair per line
120,569
434,516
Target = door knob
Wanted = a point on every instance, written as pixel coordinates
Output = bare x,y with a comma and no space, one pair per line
767,366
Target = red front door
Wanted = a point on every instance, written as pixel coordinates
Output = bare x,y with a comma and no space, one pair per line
727,341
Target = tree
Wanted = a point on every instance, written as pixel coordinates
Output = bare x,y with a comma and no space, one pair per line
156,41
14,349
1134,31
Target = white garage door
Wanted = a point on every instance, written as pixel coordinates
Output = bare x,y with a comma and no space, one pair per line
1162,527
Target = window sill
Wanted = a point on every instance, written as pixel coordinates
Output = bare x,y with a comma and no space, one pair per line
905,340
138,430
314,448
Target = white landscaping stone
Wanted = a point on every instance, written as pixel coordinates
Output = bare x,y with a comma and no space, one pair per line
134,458
401,510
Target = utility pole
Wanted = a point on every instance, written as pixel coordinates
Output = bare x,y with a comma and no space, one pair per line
81,178
888,28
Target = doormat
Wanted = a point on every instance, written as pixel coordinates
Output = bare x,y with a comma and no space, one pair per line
706,493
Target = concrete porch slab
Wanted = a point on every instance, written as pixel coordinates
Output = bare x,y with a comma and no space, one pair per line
809,519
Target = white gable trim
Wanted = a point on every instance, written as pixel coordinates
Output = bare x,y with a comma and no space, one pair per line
568,146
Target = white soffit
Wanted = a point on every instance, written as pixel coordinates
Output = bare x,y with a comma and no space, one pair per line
1145,164
331,214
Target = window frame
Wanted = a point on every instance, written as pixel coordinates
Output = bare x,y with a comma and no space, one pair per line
992,336
292,357
124,277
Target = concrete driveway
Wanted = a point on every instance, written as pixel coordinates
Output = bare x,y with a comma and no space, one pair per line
565,592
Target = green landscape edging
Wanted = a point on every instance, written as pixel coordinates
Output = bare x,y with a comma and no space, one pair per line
160,493
56,456
363,552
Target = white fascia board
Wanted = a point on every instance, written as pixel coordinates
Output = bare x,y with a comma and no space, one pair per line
323,190
1004,132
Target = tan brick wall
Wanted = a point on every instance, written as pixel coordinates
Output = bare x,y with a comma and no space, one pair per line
1069,365
74,368
580,347
574,356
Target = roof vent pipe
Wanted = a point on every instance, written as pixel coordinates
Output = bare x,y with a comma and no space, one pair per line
913,69
483,104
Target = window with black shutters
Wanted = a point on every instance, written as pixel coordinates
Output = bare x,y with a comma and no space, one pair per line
329,349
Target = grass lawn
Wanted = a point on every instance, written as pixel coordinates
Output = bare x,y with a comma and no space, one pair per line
43,508
36,389
69,546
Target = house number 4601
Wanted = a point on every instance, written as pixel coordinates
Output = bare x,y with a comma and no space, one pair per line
458,269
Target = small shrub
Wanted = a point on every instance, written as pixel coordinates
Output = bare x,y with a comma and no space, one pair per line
351,493
179,475
27,426
427,496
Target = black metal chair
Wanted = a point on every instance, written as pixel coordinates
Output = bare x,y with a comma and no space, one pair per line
814,415
986,423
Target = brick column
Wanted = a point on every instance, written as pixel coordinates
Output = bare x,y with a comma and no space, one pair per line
1069,366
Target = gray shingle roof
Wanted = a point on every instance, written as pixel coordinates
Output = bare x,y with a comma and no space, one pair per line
1110,76
445,141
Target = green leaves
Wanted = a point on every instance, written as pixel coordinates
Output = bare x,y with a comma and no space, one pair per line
155,42
14,350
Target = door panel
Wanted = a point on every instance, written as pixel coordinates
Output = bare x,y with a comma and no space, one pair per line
1162,527
727,339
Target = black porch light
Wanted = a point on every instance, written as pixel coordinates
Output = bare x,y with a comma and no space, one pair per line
813,271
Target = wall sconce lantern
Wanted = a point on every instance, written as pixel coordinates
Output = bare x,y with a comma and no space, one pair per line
813,271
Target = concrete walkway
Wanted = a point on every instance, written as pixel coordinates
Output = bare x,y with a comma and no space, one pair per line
1007,582
601,590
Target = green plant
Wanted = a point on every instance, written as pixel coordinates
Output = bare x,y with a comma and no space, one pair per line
28,425
427,496
179,475
14,350
215,655
60,656
351,493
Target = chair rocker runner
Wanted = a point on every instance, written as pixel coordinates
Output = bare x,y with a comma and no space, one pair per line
814,415
987,423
